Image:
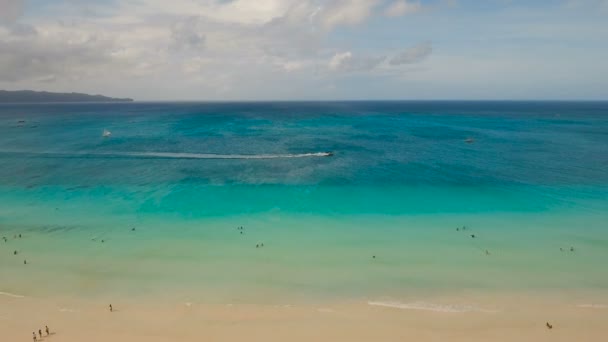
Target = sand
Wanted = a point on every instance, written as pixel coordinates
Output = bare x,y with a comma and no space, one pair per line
510,317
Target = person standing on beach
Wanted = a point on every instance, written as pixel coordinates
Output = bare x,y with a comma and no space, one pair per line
46,328
40,333
34,334
111,309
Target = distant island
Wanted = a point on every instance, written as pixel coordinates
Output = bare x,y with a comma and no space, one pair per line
29,96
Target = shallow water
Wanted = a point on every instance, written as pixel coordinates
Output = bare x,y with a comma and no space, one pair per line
402,178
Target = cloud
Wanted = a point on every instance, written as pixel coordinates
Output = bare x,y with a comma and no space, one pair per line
402,7
346,12
10,10
58,52
414,54
347,62
186,34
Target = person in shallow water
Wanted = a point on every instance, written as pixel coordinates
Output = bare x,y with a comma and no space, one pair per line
40,333
111,308
35,338
46,328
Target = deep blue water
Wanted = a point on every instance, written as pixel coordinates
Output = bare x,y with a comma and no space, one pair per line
375,143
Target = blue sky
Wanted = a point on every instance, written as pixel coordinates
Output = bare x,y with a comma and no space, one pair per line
307,49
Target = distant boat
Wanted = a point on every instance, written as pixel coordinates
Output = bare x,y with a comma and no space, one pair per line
106,133
469,140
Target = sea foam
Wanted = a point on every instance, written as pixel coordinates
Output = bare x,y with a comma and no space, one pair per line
431,307
12,295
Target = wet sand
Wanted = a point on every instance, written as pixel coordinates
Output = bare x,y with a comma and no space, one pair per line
489,318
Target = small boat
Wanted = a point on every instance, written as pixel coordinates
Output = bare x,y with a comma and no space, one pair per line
106,133
469,140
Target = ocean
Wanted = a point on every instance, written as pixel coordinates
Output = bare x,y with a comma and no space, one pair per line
336,200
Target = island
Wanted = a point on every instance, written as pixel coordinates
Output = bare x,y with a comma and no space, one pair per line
29,96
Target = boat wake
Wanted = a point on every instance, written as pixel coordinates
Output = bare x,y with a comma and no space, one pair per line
168,155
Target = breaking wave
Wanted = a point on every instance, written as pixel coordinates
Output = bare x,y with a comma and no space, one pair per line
431,307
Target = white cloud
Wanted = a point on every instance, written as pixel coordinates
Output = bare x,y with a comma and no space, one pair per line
347,62
339,59
402,7
247,49
346,12
414,54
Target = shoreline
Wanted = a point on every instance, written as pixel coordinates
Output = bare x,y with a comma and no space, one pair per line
499,317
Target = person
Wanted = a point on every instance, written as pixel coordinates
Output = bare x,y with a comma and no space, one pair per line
549,326
20,236
111,308
487,252
133,229
25,262
15,253
262,245
46,328
473,236
571,249
34,334
40,333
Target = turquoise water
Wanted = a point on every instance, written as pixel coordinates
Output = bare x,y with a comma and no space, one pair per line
402,178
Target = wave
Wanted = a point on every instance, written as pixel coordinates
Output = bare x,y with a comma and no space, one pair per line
169,155
593,306
431,307
12,295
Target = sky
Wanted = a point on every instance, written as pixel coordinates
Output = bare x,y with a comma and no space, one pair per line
224,50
